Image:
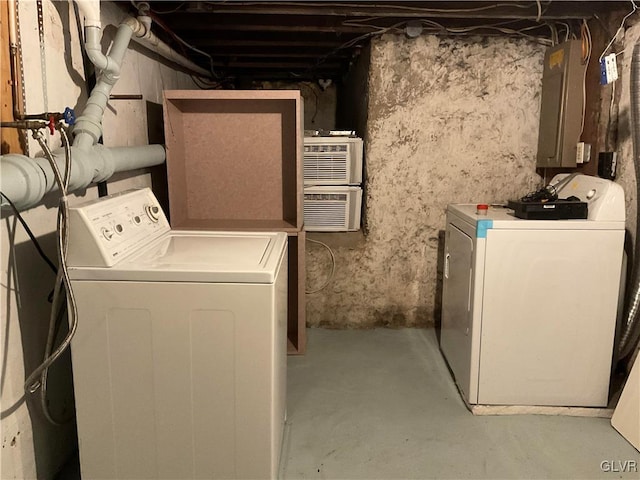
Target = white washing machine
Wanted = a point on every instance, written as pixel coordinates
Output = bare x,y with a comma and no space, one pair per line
179,360
529,306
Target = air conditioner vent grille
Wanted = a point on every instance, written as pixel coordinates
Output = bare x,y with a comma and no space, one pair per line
342,147
323,213
341,197
325,166
332,208
331,161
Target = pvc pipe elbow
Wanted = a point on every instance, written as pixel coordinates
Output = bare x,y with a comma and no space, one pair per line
93,47
139,28
145,21
90,10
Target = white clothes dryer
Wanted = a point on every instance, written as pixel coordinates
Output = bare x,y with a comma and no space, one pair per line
179,360
529,306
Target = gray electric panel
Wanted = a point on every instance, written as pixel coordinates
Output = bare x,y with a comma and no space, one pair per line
561,109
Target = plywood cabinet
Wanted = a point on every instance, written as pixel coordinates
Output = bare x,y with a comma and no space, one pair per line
234,162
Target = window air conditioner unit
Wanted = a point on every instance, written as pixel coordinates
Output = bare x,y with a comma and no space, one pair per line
332,160
332,209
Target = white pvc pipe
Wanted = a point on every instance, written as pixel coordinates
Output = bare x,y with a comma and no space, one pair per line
92,37
90,10
27,180
88,127
13,22
22,179
124,159
145,37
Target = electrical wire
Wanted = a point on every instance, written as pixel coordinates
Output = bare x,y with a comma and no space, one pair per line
512,31
33,238
439,28
163,12
526,6
541,8
184,43
549,192
621,28
333,267
436,28
567,29
555,39
205,85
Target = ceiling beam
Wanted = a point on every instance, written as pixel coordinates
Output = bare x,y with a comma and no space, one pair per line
557,10
212,26
274,54
276,65
209,41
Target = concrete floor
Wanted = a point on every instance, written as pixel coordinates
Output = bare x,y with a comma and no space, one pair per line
381,404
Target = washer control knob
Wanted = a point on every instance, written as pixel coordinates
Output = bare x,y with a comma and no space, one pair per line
107,233
153,212
591,193
137,220
119,228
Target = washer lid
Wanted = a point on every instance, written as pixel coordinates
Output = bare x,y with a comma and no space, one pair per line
191,256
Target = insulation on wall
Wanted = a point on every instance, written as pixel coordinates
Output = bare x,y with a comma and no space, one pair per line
450,120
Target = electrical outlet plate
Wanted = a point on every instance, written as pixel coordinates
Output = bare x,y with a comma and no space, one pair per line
608,69
580,153
583,152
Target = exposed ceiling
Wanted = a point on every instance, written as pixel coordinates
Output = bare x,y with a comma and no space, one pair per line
315,40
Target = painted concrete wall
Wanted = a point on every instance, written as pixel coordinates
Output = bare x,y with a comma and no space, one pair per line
31,448
626,170
449,120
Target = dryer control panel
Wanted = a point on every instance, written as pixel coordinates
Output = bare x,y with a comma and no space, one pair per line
103,231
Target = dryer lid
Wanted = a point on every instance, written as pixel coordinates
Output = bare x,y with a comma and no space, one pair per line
190,256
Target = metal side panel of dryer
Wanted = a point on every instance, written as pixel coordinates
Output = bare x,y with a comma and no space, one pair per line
460,336
529,307
179,359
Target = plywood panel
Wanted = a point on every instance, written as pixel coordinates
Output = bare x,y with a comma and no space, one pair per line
9,136
234,156
234,163
296,330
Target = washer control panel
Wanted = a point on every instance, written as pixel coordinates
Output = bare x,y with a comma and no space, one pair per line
103,231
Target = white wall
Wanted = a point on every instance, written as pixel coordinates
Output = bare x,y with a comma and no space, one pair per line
31,448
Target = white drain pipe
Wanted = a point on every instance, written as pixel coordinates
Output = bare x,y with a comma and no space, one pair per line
88,128
144,36
27,180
